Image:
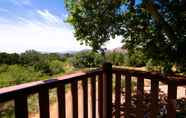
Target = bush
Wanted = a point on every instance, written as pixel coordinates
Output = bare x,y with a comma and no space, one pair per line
16,74
135,58
116,58
6,58
151,65
87,59
56,67
3,68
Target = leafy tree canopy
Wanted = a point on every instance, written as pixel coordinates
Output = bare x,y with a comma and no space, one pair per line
157,27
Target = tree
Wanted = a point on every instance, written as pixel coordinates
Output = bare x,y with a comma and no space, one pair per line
6,58
116,58
157,27
87,58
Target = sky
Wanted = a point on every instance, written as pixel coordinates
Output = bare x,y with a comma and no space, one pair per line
38,25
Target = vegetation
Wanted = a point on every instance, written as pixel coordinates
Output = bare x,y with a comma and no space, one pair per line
16,74
30,66
26,67
87,59
90,59
116,58
154,26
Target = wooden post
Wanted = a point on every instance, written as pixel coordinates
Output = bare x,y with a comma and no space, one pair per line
140,95
85,98
61,101
118,94
127,95
21,107
172,93
44,103
107,90
154,98
93,95
100,95
74,91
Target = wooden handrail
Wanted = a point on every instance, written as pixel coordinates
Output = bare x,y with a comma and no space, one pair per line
11,92
165,78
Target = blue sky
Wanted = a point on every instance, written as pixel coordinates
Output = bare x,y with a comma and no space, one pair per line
39,25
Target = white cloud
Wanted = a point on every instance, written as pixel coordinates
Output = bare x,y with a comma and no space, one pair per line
48,34
21,2
51,39
49,17
42,38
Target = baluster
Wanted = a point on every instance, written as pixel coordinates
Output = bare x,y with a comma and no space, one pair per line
118,94
61,101
21,107
44,103
93,95
172,94
107,90
100,95
154,98
140,95
85,98
127,95
74,90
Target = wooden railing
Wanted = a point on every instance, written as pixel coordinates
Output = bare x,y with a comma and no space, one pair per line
101,95
20,93
172,81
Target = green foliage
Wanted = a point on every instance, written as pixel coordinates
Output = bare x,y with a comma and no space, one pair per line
156,27
40,61
30,57
160,66
87,59
92,20
116,58
152,66
56,67
9,58
135,58
7,110
28,66
37,60
3,68
66,56
16,74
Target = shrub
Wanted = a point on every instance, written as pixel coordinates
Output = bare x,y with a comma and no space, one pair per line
56,67
3,68
135,58
116,58
151,65
16,74
87,59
